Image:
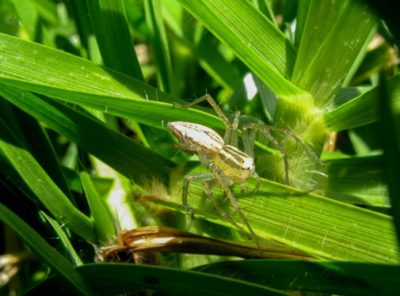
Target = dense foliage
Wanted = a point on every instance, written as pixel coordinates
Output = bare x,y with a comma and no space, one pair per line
87,162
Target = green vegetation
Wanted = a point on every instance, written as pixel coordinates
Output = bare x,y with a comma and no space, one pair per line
87,88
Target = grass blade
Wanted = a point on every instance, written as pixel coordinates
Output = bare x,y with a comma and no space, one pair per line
116,279
160,46
46,252
391,144
320,46
311,223
112,34
42,185
343,278
363,109
130,158
81,82
253,38
62,236
103,220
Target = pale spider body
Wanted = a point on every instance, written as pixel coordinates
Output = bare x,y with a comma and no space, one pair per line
233,163
197,138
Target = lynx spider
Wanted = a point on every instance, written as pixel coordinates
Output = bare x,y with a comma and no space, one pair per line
227,164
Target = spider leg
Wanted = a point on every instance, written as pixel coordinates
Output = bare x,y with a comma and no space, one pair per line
266,132
213,104
185,188
258,182
225,186
248,138
288,132
207,178
221,211
230,136
311,154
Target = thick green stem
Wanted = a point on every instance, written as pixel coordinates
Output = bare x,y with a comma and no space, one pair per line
300,116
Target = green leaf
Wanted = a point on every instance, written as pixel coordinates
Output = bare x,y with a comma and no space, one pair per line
116,279
28,17
338,278
72,79
206,50
160,48
46,10
357,180
363,109
61,235
253,38
310,223
391,152
41,147
103,220
112,34
333,35
123,154
42,185
46,252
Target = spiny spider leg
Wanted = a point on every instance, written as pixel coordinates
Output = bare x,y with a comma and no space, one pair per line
221,211
248,138
286,131
185,188
266,131
207,178
218,175
213,104
230,136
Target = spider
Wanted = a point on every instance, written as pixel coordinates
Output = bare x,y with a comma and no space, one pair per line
228,165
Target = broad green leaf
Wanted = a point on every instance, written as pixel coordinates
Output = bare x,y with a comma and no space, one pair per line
194,44
265,7
28,16
46,252
62,236
40,146
72,79
28,131
6,169
206,49
102,218
253,38
362,109
357,180
123,154
112,34
337,278
311,223
42,185
79,12
380,58
116,279
333,35
391,149
46,10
